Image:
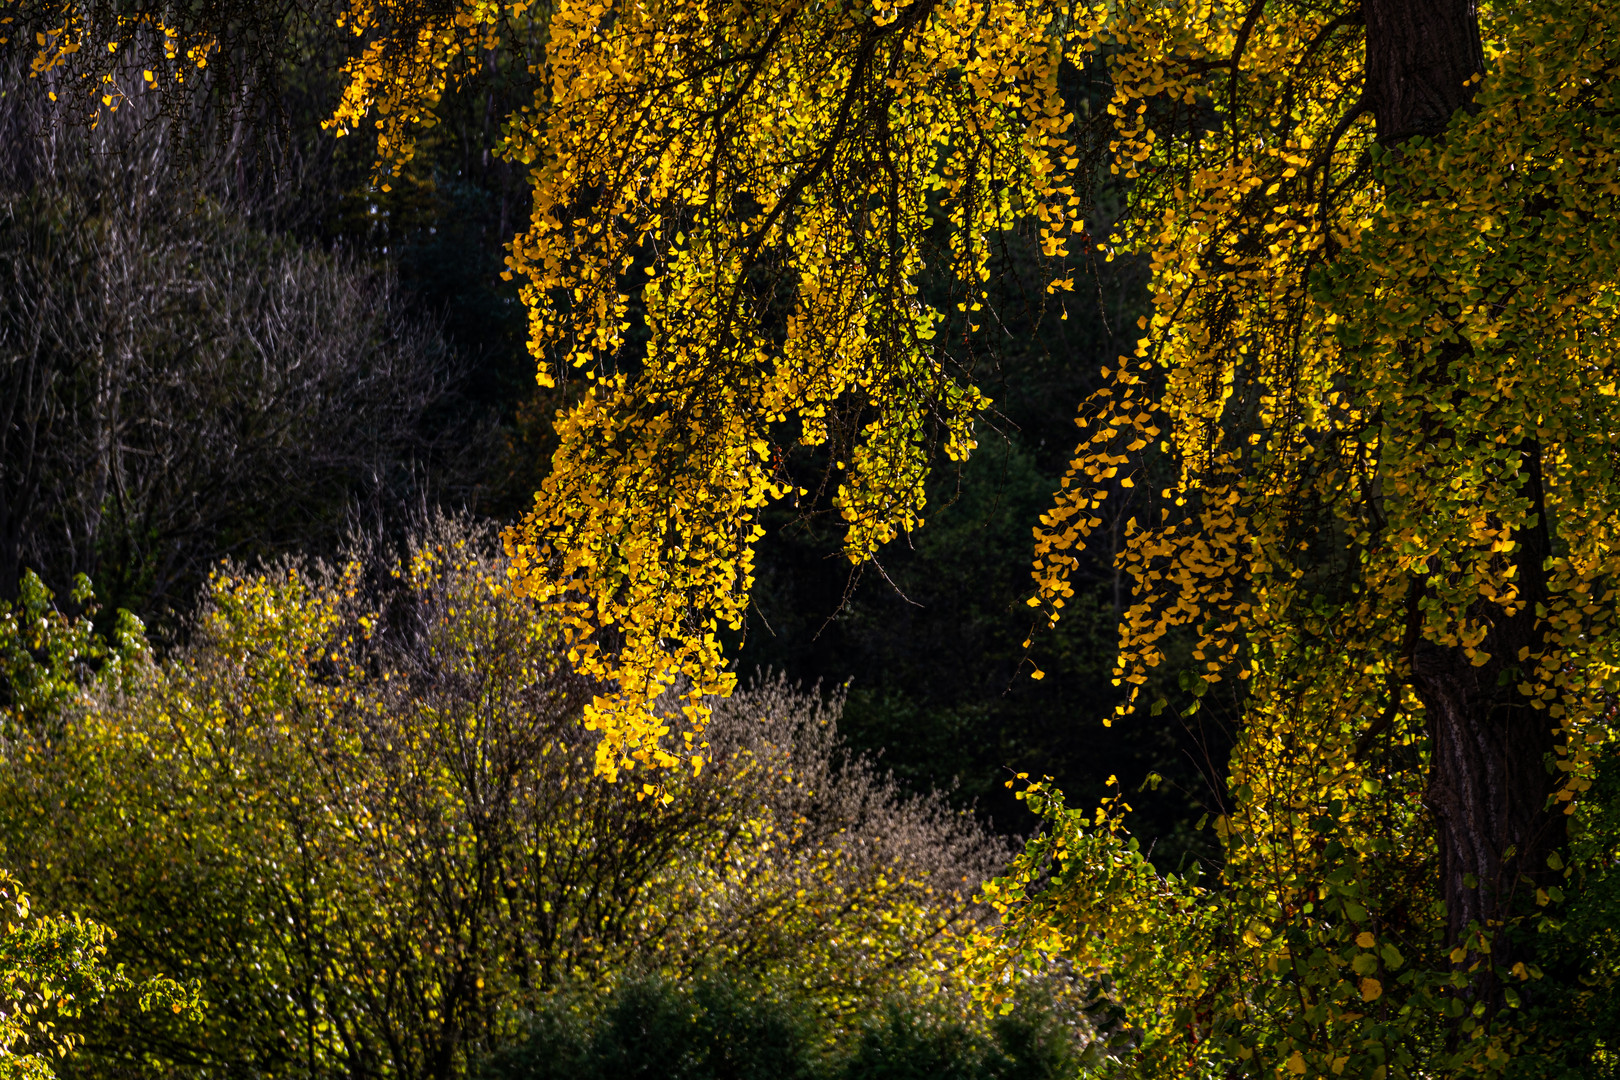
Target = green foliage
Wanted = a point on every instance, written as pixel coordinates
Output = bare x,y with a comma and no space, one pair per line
654,1029
911,1043
47,657
719,1028
1574,1015
52,969
1171,945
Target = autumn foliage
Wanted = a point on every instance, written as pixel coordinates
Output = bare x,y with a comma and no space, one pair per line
1372,415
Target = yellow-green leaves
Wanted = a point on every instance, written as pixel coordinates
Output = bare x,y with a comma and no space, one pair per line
46,657
360,778
53,968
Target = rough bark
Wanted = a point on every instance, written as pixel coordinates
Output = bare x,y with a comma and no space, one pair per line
1488,784
1422,57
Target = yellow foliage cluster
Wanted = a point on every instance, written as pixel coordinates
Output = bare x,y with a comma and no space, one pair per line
769,221
733,206
61,30
408,58
1380,374
1460,242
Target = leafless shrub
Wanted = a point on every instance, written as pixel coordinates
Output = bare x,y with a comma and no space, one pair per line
176,385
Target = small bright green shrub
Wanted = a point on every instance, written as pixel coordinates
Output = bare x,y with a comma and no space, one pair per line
52,968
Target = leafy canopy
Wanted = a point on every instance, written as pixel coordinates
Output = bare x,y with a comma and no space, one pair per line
766,185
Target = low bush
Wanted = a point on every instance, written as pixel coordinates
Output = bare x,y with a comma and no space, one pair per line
722,1028
358,813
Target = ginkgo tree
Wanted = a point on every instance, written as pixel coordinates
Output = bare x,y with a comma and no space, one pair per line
1375,388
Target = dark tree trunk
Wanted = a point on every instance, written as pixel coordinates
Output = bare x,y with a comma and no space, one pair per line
1422,57
1488,785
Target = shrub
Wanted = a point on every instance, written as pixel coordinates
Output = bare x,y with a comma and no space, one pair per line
357,809
722,1028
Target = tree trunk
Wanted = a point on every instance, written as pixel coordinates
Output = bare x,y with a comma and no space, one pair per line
1488,785
1422,59
1488,782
